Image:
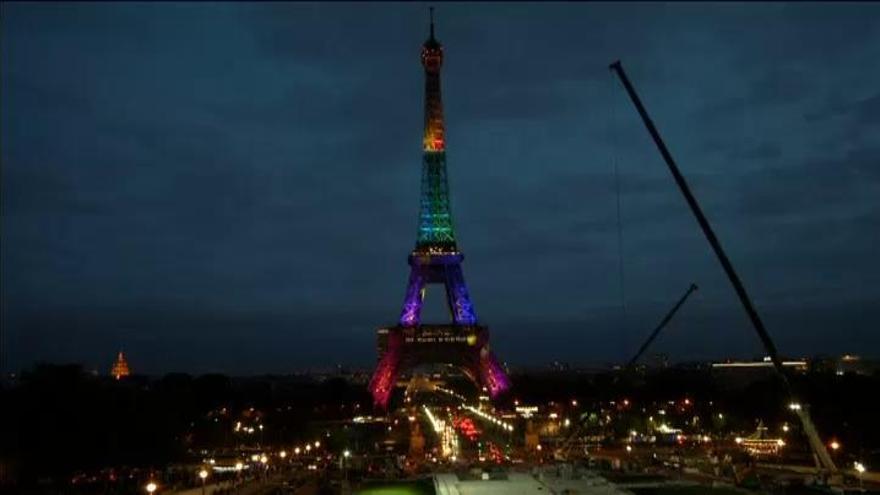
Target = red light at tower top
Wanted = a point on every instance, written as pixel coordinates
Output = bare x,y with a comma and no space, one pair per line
432,51
432,60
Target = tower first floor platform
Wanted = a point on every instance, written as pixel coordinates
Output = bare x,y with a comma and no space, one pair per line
466,347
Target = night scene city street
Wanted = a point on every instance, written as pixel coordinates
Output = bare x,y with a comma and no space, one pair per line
292,248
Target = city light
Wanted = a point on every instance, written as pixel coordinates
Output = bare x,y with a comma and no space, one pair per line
435,423
239,466
282,454
346,454
203,474
835,445
794,406
151,487
296,451
859,467
492,419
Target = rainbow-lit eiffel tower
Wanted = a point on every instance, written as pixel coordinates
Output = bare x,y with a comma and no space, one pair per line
435,260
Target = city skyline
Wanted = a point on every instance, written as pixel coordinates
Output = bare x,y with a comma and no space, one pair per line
233,187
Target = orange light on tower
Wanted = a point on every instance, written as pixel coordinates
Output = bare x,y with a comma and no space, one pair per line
432,60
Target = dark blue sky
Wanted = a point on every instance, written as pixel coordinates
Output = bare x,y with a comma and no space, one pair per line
234,186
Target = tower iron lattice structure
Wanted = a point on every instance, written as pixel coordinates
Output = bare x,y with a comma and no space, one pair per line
436,259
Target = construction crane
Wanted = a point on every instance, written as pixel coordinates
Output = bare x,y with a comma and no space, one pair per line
662,324
561,453
823,459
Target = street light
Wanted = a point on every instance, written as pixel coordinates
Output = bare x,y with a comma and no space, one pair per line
238,467
151,487
860,468
345,455
203,474
282,454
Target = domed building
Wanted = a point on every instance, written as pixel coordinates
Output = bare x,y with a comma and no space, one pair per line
120,367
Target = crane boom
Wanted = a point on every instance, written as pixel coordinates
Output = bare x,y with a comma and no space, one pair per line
816,444
662,324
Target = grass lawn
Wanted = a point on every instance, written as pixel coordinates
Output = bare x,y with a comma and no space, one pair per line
425,487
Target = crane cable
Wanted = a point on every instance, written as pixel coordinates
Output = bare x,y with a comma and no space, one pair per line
620,274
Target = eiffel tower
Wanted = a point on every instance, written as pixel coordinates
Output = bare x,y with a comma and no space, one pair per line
436,259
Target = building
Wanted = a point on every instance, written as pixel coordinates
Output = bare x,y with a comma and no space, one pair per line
120,368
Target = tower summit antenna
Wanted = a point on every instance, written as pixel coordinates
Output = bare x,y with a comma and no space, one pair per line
431,14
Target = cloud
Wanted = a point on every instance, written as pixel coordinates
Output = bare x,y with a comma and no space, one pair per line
171,170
